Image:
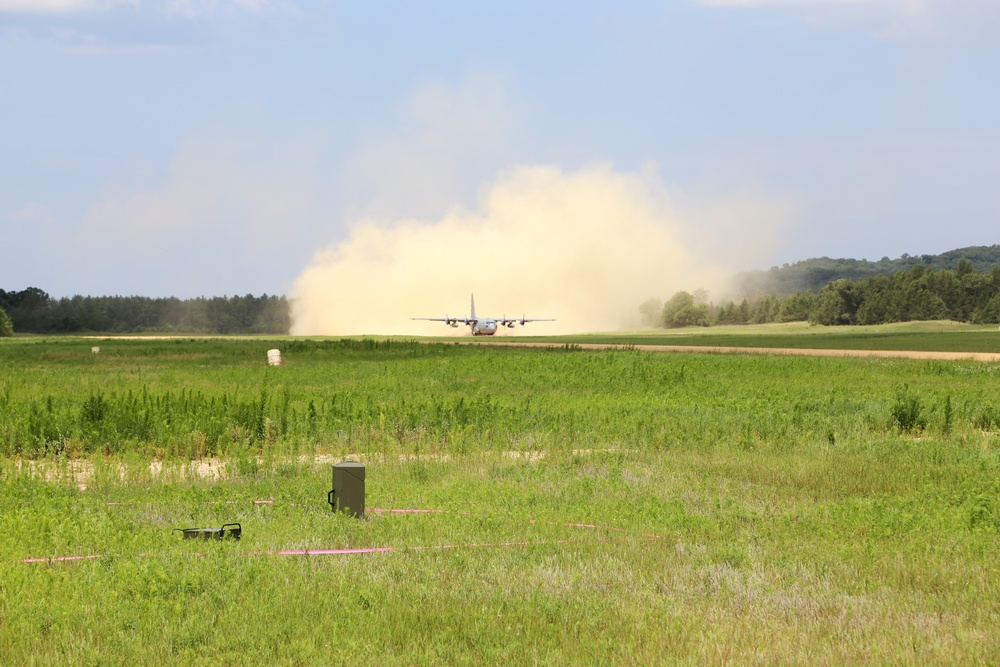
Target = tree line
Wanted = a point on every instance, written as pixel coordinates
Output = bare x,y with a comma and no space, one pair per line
32,310
919,293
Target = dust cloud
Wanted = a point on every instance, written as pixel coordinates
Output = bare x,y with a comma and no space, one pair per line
585,247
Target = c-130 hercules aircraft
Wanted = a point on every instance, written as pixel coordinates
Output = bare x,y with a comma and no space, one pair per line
481,326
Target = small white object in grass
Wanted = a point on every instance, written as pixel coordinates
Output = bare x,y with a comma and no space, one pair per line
95,350
274,357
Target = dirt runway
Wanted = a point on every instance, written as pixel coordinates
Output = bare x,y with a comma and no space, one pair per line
786,351
992,357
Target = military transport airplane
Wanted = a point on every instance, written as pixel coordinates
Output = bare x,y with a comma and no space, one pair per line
481,326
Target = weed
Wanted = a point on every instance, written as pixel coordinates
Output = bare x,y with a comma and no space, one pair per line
907,412
987,419
948,415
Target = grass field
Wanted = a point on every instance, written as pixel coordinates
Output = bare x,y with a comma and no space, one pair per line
916,336
745,509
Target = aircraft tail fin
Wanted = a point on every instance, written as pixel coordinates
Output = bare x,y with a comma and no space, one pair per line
473,315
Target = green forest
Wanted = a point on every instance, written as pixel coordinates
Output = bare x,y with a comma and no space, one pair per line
962,295
33,311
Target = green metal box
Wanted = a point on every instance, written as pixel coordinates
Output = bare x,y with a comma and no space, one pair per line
348,494
229,530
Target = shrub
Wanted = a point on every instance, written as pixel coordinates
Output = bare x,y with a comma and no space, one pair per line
908,412
6,326
987,419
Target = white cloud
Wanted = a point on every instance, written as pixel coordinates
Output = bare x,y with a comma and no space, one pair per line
60,6
136,26
183,8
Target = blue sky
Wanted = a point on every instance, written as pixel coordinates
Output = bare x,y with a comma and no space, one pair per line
189,147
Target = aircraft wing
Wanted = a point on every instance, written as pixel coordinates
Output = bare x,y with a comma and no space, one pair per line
446,320
511,321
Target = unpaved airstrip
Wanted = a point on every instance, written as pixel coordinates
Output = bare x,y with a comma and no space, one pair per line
705,349
787,351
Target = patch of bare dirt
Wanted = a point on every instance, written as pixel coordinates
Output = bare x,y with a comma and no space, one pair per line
80,472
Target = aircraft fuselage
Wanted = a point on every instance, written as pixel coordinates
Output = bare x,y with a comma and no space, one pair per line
483,327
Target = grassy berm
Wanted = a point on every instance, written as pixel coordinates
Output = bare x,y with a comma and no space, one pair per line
611,507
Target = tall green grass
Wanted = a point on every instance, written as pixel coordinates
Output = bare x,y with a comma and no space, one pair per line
746,509
191,399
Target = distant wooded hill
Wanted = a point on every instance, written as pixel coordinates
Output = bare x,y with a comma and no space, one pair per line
812,275
962,285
